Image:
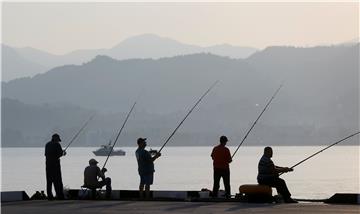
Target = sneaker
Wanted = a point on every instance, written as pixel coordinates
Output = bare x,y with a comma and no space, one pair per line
290,200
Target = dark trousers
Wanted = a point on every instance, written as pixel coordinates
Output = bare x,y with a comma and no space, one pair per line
106,182
279,184
53,176
225,175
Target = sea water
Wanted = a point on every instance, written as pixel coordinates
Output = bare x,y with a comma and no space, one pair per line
335,170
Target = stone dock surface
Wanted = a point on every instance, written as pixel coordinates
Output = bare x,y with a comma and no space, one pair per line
137,207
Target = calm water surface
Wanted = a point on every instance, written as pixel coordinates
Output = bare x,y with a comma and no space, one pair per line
190,168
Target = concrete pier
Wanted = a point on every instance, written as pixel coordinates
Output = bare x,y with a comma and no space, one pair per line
164,207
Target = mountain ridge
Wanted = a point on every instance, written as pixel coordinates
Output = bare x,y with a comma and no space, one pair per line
141,46
319,100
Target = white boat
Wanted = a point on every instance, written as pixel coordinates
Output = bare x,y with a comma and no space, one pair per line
105,149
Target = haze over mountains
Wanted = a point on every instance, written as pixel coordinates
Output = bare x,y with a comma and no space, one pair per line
142,46
318,104
14,65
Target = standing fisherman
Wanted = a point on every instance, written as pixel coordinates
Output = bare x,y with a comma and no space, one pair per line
145,167
269,175
221,159
53,152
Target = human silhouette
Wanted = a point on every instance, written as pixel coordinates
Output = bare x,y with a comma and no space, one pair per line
269,175
221,159
145,167
92,173
53,152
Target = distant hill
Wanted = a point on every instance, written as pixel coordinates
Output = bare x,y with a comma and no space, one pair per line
164,85
26,125
14,65
142,46
318,103
32,125
155,47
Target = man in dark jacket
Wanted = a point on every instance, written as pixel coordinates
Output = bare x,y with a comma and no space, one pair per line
53,152
269,175
91,175
221,159
145,167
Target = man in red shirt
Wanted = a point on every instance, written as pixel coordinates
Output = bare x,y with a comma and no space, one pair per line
221,159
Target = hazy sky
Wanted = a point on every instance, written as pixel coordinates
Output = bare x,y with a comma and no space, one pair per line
64,27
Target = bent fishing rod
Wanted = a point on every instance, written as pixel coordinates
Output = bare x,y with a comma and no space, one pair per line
77,134
252,126
172,134
117,137
350,136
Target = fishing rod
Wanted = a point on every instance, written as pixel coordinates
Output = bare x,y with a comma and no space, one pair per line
77,134
117,137
246,135
167,140
350,136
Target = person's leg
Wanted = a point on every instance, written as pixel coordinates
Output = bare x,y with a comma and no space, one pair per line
141,190
49,182
147,191
226,180
148,181
141,187
100,184
59,189
281,188
216,185
108,187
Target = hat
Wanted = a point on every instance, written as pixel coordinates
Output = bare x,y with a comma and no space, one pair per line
141,140
92,161
56,137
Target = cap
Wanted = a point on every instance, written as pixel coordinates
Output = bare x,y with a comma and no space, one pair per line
92,161
141,140
56,137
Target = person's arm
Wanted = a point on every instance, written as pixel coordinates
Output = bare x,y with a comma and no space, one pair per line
229,156
283,169
101,173
59,151
156,156
272,168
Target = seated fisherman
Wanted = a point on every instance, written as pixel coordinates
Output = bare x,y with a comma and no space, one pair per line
91,175
269,175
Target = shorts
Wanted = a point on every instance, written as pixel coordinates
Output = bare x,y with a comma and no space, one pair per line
147,179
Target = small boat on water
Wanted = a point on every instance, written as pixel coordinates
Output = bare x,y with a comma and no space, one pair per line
105,149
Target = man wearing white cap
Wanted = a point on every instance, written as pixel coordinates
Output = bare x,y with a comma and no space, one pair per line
91,175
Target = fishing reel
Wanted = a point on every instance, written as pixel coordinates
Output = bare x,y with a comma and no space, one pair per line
153,152
103,170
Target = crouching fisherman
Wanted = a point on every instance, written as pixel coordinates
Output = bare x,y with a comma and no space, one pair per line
145,167
91,175
269,175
